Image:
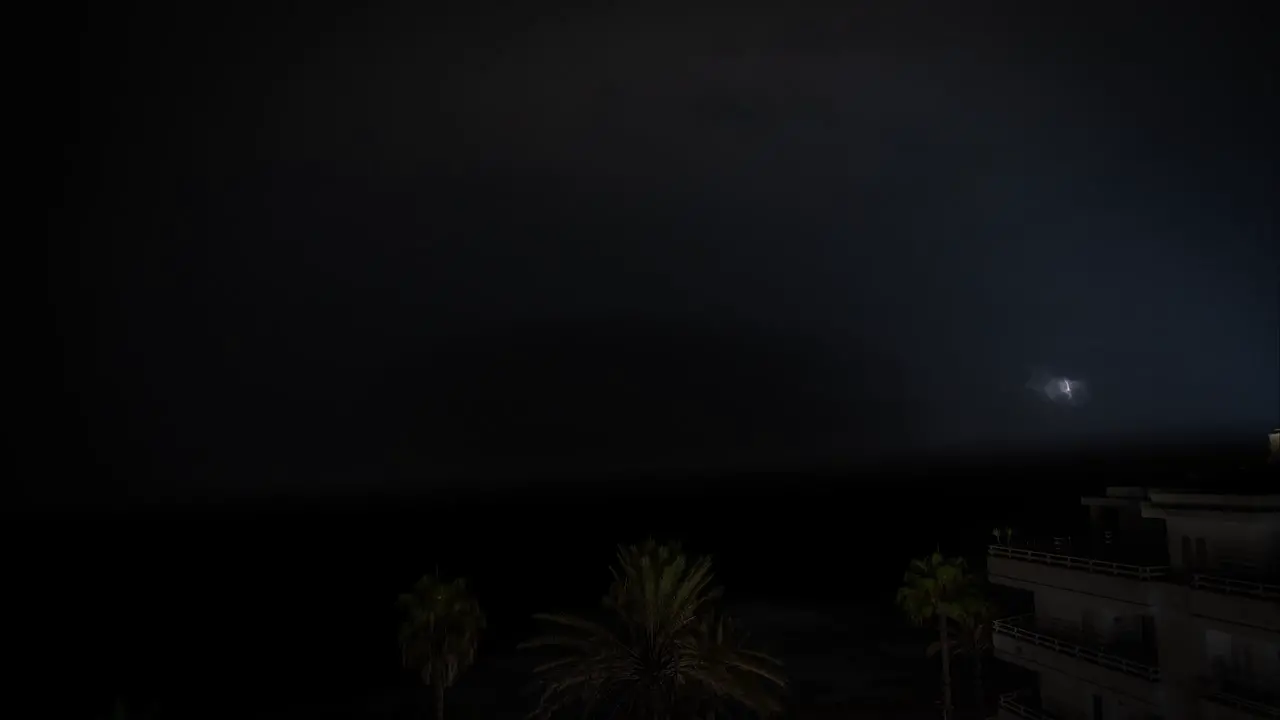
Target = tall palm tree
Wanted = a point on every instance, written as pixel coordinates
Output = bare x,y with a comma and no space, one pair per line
658,651
975,615
932,589
972,635
440,632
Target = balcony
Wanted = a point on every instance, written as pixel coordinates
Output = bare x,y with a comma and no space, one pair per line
1240,600
1134,661
1127,669
1230,698
1022,704
1236,586
1075,562
1074,568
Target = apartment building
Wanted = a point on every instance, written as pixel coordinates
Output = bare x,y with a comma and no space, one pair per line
1167,606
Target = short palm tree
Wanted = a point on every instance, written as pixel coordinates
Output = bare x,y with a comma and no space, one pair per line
658,651
932,589
733,672
440,632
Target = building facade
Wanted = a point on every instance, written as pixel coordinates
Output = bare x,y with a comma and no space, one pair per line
1168,606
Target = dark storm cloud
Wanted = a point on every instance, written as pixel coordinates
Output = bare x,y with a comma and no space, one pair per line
350,232
630,392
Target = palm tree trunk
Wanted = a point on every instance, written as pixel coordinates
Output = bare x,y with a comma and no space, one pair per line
439,701
946,666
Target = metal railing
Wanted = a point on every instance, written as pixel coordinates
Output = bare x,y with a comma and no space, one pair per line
1233,586
1015,702
1017,628
1102,567
1200,581
1265,709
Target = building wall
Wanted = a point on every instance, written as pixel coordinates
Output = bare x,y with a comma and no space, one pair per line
1210,710
1094,619
1192,628
1060,696
1046,661
1252,659
1179,650
1032,576
1253,613
1071,698
1226,542
1056,607
1134,538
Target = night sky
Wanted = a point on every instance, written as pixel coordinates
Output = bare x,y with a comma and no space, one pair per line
349,249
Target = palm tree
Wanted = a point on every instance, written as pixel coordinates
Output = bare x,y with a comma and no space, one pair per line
658,650
976,613
932,588
972,637
440,632
733,672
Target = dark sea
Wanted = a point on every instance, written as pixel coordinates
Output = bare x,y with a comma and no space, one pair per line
286,609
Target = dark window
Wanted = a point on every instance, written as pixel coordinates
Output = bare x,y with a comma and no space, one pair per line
1097,707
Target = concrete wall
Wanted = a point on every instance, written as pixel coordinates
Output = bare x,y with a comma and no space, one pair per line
1029,575
1057,608
1240,610
1136,691
1180,649
1069,698
1254,660
1094,619
1210,710
1110,607
1060,696
1227,540
1131,534
1186,646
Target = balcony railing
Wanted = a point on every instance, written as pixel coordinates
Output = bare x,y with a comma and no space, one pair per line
1241,694
1023,705
1092,565
1235,586
1023,628
1259,707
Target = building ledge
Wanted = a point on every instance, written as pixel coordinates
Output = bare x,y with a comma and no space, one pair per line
1241,694
1236,586
1085,564
1023,704
1262,708
1023,628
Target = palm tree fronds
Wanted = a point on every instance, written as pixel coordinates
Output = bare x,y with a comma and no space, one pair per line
662,649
